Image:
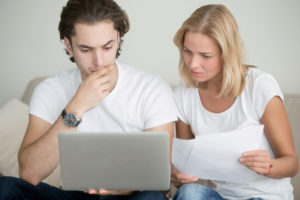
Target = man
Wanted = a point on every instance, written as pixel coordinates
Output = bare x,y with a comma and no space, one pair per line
99,95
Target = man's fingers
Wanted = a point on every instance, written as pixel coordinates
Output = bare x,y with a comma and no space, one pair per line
112,192
100,81
103,192
91,191
102,71
104,88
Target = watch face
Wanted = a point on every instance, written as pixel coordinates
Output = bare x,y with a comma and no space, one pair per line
70,120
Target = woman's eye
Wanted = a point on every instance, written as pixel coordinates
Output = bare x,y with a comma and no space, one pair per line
187,52
206,57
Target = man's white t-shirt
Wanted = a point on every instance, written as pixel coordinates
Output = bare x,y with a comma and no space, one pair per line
139,101
247,110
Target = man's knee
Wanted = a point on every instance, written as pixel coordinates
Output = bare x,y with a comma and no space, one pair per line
8,186
20,189
8,183
148,195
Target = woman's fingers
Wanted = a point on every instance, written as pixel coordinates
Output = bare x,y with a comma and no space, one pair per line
178,178
257,160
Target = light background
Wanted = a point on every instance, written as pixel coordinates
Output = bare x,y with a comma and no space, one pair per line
30,45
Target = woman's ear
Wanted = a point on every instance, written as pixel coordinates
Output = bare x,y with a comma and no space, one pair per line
68,46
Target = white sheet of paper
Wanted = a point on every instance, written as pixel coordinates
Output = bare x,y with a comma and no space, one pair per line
216,156
181,152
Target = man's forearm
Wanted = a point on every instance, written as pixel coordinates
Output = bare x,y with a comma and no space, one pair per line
38,159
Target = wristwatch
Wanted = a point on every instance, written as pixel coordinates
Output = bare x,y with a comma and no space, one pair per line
70,119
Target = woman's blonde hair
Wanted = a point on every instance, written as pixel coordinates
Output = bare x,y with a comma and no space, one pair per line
216,22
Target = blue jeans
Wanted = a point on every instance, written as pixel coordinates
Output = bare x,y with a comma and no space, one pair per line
195,191
12,188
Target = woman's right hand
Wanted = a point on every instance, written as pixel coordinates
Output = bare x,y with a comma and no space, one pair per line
179,179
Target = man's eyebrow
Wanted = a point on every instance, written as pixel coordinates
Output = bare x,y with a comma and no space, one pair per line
84,46
107,43
88,47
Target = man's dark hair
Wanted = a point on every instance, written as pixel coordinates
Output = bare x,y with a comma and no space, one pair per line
92,12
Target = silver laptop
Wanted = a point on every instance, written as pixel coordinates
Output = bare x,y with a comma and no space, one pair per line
114,161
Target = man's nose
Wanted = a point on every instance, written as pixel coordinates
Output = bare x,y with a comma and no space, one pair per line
98,58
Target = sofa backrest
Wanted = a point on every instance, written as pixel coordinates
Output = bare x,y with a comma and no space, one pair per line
292,105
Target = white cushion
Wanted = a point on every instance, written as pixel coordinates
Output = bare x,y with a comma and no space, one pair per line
13,124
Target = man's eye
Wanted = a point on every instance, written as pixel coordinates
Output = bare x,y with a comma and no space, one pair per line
107,48
84,50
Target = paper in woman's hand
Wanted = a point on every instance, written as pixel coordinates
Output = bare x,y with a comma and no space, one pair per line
181,152
216,156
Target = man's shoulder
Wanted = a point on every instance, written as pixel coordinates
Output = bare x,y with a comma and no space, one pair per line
131,70
60,83
139,76
67,73
182,89
63,77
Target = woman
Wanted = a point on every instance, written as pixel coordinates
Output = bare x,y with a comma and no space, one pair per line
219,93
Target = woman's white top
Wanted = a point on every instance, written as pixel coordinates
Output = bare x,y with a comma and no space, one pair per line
247,110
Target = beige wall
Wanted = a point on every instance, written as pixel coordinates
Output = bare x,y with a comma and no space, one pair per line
30,43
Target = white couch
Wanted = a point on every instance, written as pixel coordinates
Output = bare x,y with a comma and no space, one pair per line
14,119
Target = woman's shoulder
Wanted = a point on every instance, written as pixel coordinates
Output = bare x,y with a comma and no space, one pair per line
260,88
256,77
259,83
254,73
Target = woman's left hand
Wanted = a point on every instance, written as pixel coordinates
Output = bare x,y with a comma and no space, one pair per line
259,161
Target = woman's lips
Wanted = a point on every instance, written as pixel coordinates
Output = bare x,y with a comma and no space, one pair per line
198,74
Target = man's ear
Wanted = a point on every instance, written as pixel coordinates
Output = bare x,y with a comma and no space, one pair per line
68,46
119,38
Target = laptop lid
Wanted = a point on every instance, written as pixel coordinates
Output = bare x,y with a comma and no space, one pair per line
114,161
